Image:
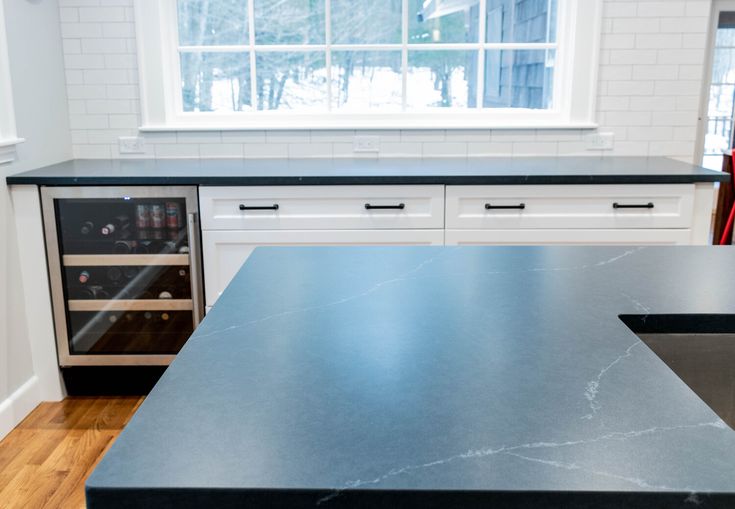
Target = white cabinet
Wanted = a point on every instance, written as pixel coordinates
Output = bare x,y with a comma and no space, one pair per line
226,251
322,207
236,220
637,214
568,207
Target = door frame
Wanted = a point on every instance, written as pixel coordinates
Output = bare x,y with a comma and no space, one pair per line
718,6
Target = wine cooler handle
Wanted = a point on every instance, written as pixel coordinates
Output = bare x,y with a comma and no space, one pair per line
194,269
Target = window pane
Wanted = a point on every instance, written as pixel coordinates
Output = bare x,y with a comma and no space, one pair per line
215,81
725,37
291,81
519,79
521,21
437,21
289,21
723,66
366,22
365,80
442,79
204,23
721,101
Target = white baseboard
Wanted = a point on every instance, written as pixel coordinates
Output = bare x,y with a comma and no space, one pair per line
18,405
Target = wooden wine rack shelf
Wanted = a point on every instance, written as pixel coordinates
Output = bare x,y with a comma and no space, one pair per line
131,305
98,260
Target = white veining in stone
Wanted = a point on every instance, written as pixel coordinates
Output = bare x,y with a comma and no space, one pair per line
593,386
377,286
512,450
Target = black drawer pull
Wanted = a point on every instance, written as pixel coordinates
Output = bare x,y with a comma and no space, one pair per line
400,206
617,205
520,206
272,207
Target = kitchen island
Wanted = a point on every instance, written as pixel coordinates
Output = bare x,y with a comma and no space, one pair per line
434,377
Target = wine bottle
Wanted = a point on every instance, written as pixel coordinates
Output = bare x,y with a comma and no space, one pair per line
118,226
165,295
86,228
141,248
84,276
93,292
114,274
130,272
122,247
165,317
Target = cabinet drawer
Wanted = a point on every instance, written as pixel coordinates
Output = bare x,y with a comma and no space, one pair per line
568,207
322,207
225,251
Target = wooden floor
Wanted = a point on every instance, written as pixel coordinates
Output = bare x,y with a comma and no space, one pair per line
46,459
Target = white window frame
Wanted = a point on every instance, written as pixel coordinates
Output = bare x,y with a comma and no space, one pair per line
8,134
575,84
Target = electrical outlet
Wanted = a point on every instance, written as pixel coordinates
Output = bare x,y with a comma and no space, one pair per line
131,145
601,141
366,144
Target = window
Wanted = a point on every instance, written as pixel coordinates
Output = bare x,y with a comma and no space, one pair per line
361,63
8,136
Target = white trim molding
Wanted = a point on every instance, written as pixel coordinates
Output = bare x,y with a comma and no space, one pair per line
574,95
18,405
8,135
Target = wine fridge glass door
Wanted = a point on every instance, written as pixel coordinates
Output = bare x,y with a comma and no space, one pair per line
124,273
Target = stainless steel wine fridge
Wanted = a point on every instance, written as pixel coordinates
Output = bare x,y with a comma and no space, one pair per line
125,272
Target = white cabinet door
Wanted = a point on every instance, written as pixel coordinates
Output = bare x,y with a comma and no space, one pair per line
570,237
570,206
322,207
226,251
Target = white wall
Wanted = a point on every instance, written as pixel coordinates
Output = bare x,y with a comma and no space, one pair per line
39,96
649,87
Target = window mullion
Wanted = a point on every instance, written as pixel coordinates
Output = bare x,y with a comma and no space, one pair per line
482,32
328,57
251,55
404,54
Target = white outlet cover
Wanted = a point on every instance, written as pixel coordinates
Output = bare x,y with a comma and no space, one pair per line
601,141
366,144
131,145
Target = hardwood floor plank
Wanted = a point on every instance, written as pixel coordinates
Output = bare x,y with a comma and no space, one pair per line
46,459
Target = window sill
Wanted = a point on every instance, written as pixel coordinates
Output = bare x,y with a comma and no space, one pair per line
7,149
352,127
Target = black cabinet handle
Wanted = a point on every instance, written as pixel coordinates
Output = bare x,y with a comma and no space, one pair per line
272,207
520,206
617,205
400,206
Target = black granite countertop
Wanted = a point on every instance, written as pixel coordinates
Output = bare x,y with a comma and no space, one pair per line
259,172
434,377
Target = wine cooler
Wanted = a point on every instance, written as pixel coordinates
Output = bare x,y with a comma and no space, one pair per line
125,272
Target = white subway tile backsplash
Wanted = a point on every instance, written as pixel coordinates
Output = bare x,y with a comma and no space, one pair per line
243,136
265,150
656,9
307,149
101,14
220,150
650,78
423,135
444,149
176,150
489,149
199,137
400,149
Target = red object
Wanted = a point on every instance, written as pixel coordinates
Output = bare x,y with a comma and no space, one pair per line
731,218
728,227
